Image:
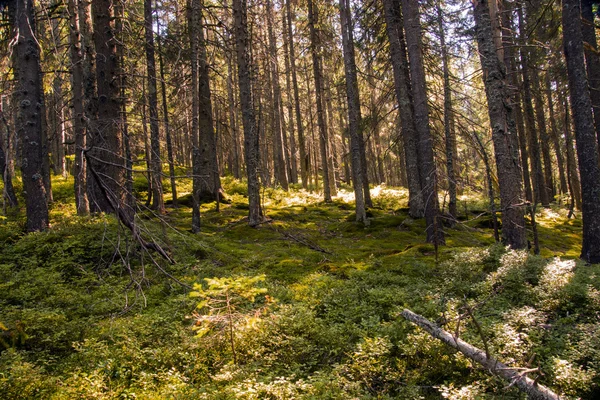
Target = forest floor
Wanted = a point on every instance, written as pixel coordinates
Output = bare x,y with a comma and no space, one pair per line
307,305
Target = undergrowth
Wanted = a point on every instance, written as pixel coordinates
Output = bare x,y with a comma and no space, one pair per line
85,312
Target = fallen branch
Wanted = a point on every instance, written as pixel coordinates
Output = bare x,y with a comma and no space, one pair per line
515,376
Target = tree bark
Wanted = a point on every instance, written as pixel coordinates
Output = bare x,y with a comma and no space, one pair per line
427,170
106,150
354,114
79,120
193,17
251,137
8,190
592,59
585,135
503,130
304,157
210,181
28,117
155,158
555,137
401,84
534,390
315,49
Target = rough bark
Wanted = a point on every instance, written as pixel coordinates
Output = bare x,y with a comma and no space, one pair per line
251,137
28,117
534,390
555,137
592,59
193,18
289,103
427,170
543,131
449,131
210,181
585,135
354,115
155,157
8,191
281,175
401,85
503,131
540,194
315,49
106,147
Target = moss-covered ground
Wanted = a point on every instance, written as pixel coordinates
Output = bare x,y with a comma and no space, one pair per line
85,312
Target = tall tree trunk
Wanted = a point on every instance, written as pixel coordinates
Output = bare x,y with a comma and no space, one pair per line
233,124
106,150
304,157
210,182
402,86
289,100
354,115
540,195
8,192
592,59
585,135
449,131
315,49
427,170
28,118
165,105
503,130
572,173
544,137
251,137
155,159
194,16
281,175
555,137
79,131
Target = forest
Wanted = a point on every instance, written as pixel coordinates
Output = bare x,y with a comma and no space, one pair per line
300,199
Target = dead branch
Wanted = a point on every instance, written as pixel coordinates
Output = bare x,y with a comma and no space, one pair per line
515,376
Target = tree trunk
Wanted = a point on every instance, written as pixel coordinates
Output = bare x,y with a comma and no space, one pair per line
155,158
194,16
251,137
540,194
280,167
28,118
503,131
544,137
210,182
572,173
592,59
289,100
354,115
77,81
555,137
163,89
304,157
106,150
585,135
5,159
449,131
409,134
427,170
315,49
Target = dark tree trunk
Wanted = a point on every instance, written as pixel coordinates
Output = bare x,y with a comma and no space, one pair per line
449,131
251,137
585,135
304,157
79,131
572,173
28,117
289,100
106,152
540,194
280,167
210,182
155,158
163,90
194,16
354,115
5,155
409,134
592,59
556,138
544,137
315,49
503,130
427,170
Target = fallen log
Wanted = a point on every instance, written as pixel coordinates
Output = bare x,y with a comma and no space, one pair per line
516,376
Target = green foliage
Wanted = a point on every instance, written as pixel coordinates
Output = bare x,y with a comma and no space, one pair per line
86,314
